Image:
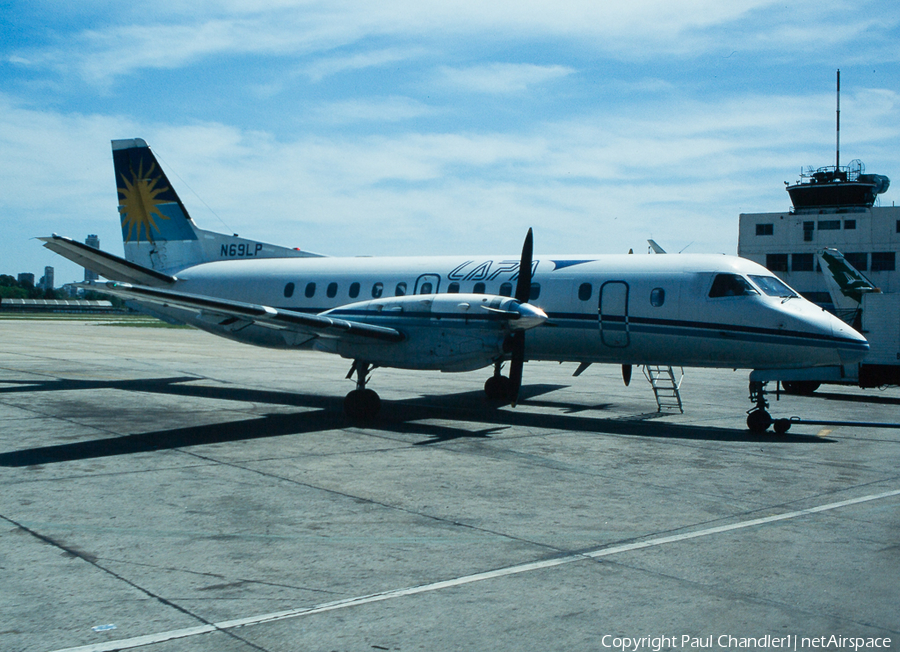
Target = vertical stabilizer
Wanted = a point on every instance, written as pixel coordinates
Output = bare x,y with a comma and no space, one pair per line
157,230
846,285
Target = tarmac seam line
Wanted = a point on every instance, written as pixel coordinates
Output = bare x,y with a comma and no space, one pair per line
150,639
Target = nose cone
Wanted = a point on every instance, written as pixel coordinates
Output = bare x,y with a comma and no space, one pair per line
852,346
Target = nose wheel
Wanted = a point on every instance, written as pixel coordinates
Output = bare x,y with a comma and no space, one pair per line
361,404
758,418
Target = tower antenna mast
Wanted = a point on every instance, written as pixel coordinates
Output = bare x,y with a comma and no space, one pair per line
837,161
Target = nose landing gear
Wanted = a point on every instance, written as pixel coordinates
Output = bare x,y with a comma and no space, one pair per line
758,418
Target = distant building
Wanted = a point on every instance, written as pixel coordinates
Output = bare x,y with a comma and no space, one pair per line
47,279
26,278
91,241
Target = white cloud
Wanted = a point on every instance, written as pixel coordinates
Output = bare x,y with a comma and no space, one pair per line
636,30
328,66
387,109
501,77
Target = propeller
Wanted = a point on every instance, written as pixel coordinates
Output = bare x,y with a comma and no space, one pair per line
515,342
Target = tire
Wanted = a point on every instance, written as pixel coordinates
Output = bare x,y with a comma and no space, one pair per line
497,388
758,421
800,387
362,404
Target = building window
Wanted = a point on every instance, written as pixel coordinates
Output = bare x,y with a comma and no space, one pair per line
898,226
859,261
585,290
657,297
453,288
849,225
765,229
883,261
506,289
829,225
377,290
777,262
288,290
808,228
354,290
479,288
310,290
802,263
400,290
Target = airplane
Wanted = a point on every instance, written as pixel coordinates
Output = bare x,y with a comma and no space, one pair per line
456,313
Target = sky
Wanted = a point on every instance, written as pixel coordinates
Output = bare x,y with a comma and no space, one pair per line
398,128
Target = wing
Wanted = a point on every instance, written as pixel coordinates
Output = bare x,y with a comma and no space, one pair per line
317,325
105,264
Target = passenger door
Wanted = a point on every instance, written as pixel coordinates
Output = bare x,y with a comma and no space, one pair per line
427,284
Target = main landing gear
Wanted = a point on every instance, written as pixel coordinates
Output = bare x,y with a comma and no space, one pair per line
759,419
498,387
361,404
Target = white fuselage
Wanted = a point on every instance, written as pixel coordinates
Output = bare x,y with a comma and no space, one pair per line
625,309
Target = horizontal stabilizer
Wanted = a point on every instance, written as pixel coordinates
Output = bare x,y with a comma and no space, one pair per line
106,264
317,325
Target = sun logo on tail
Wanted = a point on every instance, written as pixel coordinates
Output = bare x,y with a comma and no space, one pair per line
140,204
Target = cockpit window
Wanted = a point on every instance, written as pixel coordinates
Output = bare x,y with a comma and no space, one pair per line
731,285
773,286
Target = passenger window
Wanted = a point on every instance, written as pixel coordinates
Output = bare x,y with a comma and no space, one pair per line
453,288
535,292
310,290
657,297
585,290
331,290
289,290
400,290
730,285
377,290
506,289
479,288
426,288
354,290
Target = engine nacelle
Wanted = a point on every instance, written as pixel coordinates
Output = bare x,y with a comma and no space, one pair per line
452,332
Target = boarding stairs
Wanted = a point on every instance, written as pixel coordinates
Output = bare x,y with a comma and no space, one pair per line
666,388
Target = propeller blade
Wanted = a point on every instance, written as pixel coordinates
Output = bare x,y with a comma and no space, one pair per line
626,374
516,339
523,286
517,350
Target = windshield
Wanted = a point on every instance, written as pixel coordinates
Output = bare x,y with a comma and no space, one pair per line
730,285
773,286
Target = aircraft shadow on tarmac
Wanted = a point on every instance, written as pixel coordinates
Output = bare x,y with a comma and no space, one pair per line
855,398
324,413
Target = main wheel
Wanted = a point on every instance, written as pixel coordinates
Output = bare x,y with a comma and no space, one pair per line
800,387
362,404
497,388
758,421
